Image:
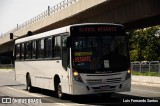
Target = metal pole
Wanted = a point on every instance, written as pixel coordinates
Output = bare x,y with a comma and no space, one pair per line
149,68
140,68
48,10
17,26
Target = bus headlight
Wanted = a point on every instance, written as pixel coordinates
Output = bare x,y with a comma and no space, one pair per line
76,76
128,75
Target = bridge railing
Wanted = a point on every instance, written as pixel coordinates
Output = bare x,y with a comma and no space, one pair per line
42,15
147,68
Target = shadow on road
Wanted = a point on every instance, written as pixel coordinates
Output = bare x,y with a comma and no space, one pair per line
114,99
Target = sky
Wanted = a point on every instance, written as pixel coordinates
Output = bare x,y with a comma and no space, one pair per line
13,12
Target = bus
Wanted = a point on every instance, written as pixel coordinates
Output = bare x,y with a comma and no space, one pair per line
79,59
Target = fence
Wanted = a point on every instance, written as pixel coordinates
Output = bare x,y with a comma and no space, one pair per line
147,68
44,14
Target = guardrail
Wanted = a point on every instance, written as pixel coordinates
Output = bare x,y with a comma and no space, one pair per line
151,68
42,15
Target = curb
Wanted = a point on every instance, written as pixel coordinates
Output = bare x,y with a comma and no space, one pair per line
6,70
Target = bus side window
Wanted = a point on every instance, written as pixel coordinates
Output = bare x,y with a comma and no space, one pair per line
40,49
34,48
57,47
22,51
48,47
28,50
17,48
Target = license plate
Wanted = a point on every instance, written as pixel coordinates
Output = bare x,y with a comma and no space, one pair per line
105,87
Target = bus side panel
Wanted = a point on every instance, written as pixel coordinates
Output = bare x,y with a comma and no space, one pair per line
42,73
21,68
65,81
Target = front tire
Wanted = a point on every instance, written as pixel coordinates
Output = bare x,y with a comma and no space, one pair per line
59,92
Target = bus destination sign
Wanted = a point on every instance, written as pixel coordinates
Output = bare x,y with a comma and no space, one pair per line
96,29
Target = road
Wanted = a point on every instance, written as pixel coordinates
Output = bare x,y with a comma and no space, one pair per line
9,88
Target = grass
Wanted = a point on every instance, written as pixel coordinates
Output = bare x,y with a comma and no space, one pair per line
4,68
145,73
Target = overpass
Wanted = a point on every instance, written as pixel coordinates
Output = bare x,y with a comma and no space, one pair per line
133,14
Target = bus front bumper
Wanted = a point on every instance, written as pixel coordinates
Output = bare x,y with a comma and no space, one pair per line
83,88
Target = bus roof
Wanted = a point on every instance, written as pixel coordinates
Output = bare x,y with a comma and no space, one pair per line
43,35
55,32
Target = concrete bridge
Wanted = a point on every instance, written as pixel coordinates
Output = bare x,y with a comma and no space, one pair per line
133,14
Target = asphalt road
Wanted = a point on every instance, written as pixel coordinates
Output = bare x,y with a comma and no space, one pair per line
16,92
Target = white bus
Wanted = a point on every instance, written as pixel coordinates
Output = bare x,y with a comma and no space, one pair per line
90,58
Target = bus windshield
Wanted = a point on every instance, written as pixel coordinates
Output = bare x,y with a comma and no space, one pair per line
101,54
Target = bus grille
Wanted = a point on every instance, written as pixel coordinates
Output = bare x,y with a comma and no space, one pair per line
105,88
103,81
94,82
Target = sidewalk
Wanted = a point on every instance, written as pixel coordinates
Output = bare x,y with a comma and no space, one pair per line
146,80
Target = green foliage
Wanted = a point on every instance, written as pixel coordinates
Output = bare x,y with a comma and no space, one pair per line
145,73
145,44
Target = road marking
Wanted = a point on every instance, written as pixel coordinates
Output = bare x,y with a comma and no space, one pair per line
146,91
61,104
24,92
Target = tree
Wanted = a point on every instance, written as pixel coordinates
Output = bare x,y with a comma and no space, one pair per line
145,44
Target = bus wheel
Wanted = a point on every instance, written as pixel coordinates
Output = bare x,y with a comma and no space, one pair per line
59,92
28,83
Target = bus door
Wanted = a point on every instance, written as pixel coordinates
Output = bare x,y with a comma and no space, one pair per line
66,81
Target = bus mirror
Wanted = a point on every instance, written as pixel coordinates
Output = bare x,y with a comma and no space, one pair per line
69,42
